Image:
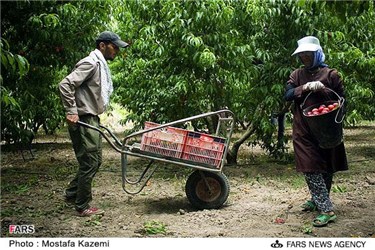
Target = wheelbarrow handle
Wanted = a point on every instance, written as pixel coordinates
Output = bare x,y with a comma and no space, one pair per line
116,146
86,125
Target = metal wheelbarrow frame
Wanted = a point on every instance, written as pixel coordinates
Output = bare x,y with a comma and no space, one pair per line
206,188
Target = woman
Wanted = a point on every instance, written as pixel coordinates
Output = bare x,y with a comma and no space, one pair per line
317,164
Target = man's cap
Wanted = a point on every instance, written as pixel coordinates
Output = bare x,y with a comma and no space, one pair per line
308,43
113,38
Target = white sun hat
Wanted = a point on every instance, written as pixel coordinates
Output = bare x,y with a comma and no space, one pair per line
308,43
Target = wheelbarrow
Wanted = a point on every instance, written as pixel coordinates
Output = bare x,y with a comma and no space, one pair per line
207,187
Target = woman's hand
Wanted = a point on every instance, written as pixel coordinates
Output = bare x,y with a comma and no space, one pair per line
313,86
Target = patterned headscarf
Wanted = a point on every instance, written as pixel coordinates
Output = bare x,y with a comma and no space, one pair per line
319,58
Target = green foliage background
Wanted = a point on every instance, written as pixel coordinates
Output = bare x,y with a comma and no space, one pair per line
50,36
185,58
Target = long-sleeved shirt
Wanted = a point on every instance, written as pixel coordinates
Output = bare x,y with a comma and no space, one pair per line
80,91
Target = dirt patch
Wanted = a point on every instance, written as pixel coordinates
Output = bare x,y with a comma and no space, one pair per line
262,190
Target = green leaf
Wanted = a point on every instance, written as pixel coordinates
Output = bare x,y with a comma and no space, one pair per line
12,62
23,65
4,59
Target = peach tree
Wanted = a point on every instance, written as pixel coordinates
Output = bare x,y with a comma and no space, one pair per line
41,41
191,57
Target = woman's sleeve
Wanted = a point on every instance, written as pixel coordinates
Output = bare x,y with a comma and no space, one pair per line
294,89
337,83
289,92
338,86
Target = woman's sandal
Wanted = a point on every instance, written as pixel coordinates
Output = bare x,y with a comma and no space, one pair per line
309,206
323,219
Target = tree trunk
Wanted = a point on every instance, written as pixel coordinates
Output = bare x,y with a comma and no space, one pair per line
233,152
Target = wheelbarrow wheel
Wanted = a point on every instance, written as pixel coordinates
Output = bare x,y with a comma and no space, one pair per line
207,190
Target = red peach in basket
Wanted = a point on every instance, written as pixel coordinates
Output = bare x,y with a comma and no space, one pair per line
323,109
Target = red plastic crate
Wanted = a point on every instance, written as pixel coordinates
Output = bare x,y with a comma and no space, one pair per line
168,141
204,148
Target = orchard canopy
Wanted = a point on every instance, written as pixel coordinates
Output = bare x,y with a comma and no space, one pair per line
186,58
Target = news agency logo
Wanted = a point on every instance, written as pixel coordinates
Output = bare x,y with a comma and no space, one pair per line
21,229
277,244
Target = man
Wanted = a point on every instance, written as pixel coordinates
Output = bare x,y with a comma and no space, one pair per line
85,94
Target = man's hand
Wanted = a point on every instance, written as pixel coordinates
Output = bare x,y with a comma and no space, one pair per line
72,119
313,86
